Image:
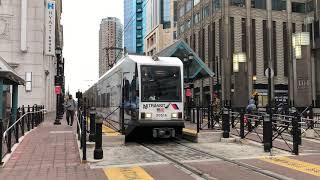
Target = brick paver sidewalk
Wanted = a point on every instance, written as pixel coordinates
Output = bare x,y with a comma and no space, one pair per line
49,152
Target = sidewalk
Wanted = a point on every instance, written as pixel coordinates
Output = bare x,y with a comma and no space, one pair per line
49,152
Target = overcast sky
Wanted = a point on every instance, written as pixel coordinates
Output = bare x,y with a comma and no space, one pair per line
81,22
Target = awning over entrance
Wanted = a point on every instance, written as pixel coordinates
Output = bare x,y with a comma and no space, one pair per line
8,75
197,68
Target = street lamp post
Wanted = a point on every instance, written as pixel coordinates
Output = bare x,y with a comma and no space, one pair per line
58,83
187,61
61,108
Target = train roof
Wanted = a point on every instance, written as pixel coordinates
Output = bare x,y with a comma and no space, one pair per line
146,60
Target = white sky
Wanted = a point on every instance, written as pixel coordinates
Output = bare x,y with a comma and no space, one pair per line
81,22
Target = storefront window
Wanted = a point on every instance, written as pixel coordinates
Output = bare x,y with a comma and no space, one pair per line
298,7
259,4
239,3
279,5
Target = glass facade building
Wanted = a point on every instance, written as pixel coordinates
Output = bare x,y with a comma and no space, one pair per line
134,25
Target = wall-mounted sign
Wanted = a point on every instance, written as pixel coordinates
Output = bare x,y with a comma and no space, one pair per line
50,28
57,89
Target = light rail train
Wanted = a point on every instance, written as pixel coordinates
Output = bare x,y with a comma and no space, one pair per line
151,91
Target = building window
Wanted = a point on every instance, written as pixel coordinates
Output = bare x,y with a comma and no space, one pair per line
265,45
216,5
203,44
28,81
316,30
205,11
195,2
174,35
175,12
298,7
232,37
188,5
293,27
274,48
211,46
285,49
196,18
239,3
243,34
309,5
253,47
279,5
165,14
259,4
181,11
188,24
220,40
232,34
199,44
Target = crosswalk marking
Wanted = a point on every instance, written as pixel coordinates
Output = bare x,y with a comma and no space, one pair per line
108,131
189,131
301,166
131,173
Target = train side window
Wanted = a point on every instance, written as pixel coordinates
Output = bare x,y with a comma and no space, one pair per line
108,99
126,89
103,100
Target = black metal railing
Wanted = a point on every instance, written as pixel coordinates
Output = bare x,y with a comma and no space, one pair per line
11,130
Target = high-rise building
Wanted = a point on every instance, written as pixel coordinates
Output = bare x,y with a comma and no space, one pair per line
262,30
134,26
161,21
110,43
29,33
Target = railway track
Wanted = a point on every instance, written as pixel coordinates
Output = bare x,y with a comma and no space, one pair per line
160,149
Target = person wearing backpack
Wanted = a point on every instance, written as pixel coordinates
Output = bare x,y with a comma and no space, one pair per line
70,106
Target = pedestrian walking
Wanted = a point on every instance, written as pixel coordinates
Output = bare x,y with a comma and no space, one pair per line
70,106
251,106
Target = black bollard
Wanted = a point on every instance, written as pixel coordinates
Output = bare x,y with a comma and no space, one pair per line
267,133
84,138
42,113
193,115
23,121
79,124
311,118
38,114
17,125
9,135
198,119
295,134
226,123
98,152
299,130
92,124
28,118
32,118
242,124
209,116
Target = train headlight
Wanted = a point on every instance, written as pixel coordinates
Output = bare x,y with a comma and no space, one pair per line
148,115
174,115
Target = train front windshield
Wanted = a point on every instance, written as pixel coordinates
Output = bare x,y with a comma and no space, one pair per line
160,84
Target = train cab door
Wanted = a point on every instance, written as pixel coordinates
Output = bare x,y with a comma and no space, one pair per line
130,95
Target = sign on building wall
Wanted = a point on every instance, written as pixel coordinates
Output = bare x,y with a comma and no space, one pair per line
50,28
304,79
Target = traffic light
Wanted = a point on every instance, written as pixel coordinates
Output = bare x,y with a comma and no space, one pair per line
58,80
79,95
